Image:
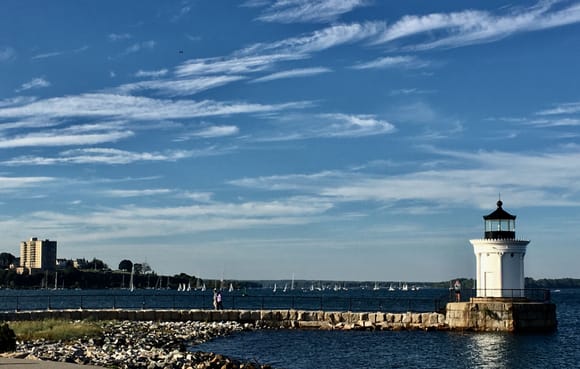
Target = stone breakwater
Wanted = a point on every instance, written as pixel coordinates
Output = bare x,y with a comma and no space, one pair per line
158,339
261,318
142,345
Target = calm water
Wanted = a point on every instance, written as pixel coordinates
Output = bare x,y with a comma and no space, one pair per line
294,349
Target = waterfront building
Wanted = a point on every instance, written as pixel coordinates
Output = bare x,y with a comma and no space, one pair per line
500,257
37,256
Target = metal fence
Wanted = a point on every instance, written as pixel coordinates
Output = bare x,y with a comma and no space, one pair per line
47,301
527,294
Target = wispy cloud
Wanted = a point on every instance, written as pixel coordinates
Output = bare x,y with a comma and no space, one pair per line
183,11
562,122
106,156
178,87
125,107
16,183
293,73
151,73
332,36
7,53
59,53
15,101
34,84
139,46
139,221
564,108
448,186
305,11
232,65
406,61
119,36
472,26
137,193
215,131
59,139
344,125
334,125
410,91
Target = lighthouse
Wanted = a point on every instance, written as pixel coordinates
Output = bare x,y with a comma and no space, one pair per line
500,257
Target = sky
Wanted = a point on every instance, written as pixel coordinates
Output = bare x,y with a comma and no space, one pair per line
261,139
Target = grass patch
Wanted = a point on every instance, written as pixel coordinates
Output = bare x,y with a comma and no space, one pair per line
54,330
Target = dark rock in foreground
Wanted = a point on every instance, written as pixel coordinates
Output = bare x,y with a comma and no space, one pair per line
142,345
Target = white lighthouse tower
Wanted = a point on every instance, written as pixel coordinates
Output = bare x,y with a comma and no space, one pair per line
500,257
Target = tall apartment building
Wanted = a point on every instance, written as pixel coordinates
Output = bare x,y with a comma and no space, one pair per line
37,255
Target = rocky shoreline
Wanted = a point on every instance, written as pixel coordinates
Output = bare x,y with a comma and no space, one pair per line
142,345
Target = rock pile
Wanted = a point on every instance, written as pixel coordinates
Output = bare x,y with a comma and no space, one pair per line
142,345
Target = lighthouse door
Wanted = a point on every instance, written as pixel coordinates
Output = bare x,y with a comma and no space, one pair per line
490,287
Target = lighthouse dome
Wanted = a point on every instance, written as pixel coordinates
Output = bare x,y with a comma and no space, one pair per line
500,224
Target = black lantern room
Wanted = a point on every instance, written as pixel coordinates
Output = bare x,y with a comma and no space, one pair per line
500,224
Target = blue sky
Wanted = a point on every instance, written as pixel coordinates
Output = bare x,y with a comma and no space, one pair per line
329,139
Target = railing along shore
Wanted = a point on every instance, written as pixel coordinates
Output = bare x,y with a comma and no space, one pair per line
145,300
528,294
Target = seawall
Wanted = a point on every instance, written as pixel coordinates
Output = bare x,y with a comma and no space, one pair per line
505,315
303,319
486,315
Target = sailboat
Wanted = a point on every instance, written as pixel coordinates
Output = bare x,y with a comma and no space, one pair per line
292,285
131,285
203,287
274,290
376,287
231,289
188,286
285,287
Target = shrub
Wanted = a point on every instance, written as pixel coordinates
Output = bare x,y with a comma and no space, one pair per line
7,339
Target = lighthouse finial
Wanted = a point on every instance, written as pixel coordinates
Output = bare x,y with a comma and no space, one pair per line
499,202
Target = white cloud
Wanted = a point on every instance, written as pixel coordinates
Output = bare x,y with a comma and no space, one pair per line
7,53
231,65
151,73
406,61
16,183
137,193
565,108
473,27
301,127
136,221
60,139
293,73
59,53
292,11
34,84
135,108
198,196
335,35
136,47
179,87
216,131
18,100
527,179
344,125
108,156
119,36
116,156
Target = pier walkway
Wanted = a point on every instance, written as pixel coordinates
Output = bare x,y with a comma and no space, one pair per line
38,364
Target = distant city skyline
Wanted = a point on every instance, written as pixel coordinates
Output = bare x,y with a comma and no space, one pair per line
260,139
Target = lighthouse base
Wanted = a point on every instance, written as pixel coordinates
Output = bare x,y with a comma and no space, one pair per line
501,315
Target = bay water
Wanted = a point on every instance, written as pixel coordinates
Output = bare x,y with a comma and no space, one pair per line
308,349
